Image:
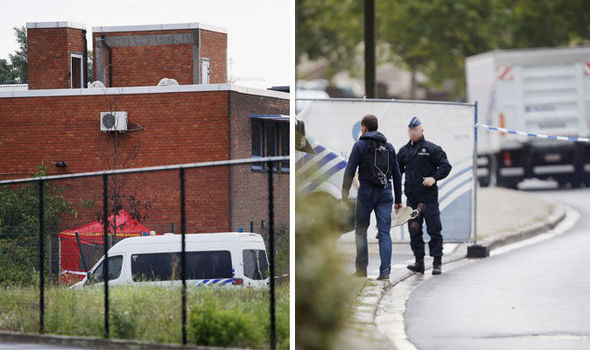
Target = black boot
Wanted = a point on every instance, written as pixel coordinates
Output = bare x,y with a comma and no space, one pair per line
418,266
437,265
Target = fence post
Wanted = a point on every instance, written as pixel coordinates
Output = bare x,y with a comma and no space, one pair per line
475,179
183,252
271,247
105,269
41,260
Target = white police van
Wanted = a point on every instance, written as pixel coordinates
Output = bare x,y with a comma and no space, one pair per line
229,258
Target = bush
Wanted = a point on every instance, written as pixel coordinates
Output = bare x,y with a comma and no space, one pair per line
214,326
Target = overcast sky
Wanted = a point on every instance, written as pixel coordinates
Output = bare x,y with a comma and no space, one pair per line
258,30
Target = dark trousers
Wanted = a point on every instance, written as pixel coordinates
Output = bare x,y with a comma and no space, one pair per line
431,215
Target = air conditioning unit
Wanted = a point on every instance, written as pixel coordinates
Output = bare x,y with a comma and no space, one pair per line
113,121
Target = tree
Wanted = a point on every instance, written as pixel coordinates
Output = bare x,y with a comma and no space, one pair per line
435,36
329,29
19,228
7,73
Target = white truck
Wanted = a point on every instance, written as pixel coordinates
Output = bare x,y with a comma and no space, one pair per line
539,91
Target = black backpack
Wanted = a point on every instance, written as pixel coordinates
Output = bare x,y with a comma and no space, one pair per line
377,162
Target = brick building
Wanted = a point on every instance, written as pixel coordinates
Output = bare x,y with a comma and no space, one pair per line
58,122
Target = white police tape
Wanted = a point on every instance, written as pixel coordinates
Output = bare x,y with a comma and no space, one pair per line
530,134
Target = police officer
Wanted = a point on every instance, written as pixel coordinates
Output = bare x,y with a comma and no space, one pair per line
376,170
424,163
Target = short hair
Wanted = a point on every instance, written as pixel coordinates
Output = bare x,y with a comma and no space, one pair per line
370,122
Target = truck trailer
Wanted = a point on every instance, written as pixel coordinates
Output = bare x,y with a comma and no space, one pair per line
538,91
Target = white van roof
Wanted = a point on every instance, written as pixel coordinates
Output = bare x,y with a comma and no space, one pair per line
126,243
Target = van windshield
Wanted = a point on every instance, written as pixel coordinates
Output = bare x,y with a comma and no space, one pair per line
115,263
166,266
255,264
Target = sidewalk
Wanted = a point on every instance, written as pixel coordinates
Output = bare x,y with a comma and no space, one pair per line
503,216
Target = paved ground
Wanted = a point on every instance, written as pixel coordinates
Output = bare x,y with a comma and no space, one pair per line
492,221
534,297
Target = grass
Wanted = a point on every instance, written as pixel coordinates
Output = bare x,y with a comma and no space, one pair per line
216,316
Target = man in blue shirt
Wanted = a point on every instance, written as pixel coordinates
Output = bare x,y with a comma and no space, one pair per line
377,163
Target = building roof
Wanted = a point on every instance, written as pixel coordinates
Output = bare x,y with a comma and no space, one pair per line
151,27
59,24
142,90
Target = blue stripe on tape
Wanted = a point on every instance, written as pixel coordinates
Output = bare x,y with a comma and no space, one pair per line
530,134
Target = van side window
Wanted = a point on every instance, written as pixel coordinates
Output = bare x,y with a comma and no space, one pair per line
166,266
115,263
255,264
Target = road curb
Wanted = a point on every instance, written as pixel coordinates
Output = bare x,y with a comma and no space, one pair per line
483,248
366,314
89,342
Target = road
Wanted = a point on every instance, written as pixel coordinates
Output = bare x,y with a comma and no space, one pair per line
533,297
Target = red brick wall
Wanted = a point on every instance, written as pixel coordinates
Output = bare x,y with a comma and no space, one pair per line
49,56
214,47
146,65
179,128
250,187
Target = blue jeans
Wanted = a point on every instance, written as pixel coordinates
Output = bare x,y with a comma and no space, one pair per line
379,199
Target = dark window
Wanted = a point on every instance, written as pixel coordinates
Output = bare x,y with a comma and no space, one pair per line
255,264
257,142
76,72
166,266
284,139
270,138
115,263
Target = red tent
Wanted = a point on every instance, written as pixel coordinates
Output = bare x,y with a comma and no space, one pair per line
91,241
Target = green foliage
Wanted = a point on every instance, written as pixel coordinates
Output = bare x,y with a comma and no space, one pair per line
151,313
214,326
16,71
434,37
19,228
330,29
323,290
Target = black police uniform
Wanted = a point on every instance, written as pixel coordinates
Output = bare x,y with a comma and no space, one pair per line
419,160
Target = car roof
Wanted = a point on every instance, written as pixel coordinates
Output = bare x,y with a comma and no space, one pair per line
124,244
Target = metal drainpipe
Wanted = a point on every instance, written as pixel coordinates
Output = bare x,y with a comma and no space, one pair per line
85,73
110,60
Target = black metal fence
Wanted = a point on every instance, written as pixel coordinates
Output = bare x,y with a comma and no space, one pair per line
25,253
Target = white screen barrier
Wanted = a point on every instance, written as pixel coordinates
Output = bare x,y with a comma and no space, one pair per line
335,125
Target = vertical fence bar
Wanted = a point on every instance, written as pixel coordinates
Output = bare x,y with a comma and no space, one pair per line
183,252
475,179
105,269
41,260
271,247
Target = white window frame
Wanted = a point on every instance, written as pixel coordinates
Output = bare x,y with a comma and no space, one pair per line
203,60
82,82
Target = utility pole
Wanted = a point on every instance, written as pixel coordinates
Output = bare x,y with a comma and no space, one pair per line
370,84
